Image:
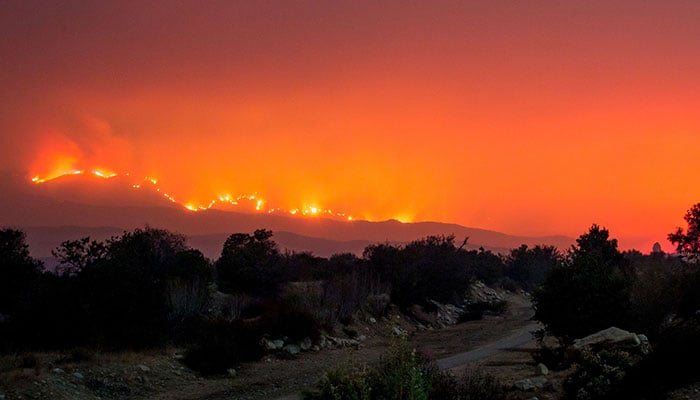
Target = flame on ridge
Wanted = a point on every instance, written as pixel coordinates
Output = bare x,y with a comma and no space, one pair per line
225,199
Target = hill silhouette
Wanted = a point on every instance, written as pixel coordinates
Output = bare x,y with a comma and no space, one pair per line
100,208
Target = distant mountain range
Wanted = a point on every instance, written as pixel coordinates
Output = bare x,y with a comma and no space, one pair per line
72,208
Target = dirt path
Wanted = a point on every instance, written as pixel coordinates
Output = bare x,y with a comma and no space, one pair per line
521,314
518,338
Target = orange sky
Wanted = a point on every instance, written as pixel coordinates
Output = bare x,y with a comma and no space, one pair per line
530,118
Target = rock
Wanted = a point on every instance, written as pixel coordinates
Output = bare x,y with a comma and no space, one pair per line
541,369
345,342
178,356
279,344
231,372
606,337
144,368
529,384
421,316
372,320
58,371
292,349
644,345
78,375
267,344
362,338
397,331
315,348
447,314
305,344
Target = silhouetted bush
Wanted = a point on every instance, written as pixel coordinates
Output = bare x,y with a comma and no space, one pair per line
221,345
668,366
345,383
431,268
18,272
484,265
478,385
598,376
403,374
291,316
529,267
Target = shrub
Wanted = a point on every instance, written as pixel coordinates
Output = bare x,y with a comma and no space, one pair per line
221,345
348,383
402,374
555,358
528,267
291,316
479,385
432,268
598,375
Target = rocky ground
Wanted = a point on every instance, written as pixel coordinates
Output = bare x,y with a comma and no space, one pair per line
91,374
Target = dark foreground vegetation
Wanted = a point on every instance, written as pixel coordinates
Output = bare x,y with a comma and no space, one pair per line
147,288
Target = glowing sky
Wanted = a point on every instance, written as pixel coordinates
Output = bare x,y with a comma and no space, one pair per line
530,118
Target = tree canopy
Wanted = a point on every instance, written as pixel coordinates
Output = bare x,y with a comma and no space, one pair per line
688,242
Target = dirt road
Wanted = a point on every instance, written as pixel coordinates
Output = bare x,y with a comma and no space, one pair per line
518,338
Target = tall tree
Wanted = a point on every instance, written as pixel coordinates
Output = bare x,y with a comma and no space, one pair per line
589,292
18,270
688,242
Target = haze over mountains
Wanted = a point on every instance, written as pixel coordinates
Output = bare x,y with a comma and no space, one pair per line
76,206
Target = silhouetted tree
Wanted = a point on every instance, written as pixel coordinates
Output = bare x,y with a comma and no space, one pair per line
430,268
484,265
126,292
249,263
529,266
589,292
74,255
688,242
18,270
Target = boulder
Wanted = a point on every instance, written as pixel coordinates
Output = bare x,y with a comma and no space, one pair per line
529,384
306,344
541,369
279,343
345,342
267,344
421,316
607,337
447,314
292,349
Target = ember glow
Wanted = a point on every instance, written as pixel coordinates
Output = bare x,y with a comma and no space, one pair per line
530,118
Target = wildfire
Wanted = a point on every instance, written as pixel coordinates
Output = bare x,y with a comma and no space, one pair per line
150,183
